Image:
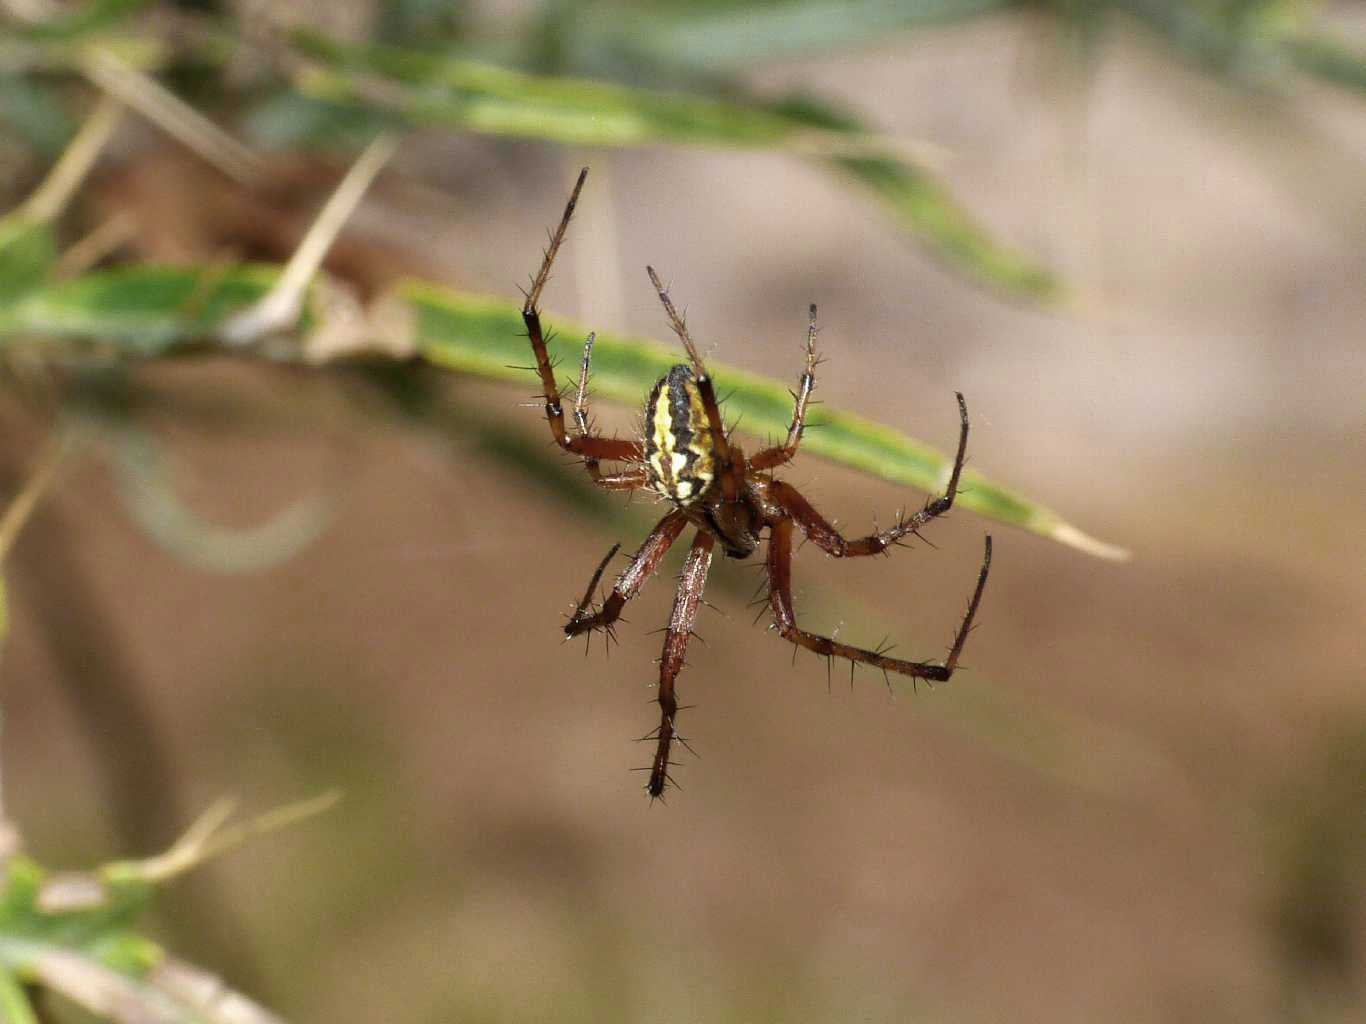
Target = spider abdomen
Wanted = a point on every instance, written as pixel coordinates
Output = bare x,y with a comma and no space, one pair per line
678,444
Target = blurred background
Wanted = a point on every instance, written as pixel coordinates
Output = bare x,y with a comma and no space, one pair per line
1145,800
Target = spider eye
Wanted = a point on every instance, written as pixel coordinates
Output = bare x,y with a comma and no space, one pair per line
678,442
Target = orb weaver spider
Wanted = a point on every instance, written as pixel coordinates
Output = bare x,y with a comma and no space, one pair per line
689,459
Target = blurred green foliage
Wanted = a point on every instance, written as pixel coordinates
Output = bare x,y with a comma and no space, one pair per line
596,73
76,935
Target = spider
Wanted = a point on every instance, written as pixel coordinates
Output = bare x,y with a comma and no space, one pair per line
688,458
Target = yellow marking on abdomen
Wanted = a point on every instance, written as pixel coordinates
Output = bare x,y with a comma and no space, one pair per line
678,449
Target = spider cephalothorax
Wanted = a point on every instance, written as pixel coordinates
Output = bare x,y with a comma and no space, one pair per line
686,456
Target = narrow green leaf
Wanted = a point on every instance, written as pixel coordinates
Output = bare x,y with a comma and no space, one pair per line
20,879
1329,59
1229,37
373,84
28,250
142,311
486,337
71,911
735,36
15,1007
289,120
435,89
149,311
925,208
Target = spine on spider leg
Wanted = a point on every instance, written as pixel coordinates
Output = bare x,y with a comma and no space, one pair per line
586,602
692,583
633,577
659,767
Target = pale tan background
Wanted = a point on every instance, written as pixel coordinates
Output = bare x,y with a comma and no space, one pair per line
1143,803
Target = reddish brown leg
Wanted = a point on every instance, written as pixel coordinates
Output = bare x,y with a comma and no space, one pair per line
776,456
721,445
692,582
643,564
625,480
590,448
825,536
780,599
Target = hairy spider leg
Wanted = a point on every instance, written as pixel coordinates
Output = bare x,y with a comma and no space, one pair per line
586,601
780,599
692,581
643,564
830,540
581,391
586,445
779,454
729,470
623,480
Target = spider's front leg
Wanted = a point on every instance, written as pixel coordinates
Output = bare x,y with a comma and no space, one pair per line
780,454
592,449
643,564
832,542
624,480
692,581
780,600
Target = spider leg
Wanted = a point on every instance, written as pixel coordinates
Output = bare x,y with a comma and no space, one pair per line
692,582
590,447
643,564
829,539
586,601
581,391
625,480
779,454
730,485
780,599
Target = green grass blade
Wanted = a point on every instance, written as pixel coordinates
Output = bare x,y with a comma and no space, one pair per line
28,251
431,89
1329,59
339,83
136,311
1235,39
925,208
15,1007
922,205
486,337
152,311
732,37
